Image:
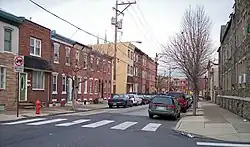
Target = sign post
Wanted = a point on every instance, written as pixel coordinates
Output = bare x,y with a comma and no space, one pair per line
18,68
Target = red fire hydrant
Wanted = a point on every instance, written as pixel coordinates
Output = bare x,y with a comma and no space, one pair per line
38,106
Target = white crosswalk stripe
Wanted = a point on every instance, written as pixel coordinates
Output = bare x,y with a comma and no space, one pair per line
24,121
46,122
98,124
124,125
151,127
73,123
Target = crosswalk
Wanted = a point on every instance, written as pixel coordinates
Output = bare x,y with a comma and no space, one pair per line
86,123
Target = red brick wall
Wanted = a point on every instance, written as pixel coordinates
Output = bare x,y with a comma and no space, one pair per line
30,29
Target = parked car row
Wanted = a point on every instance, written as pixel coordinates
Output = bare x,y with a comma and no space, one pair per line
128,100
170,104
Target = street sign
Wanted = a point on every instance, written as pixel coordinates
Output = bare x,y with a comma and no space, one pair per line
18,63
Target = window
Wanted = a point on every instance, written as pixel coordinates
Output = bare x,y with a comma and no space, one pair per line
67,56
96,85
56,52
64,86
54,83
104,65
37,80
77,57
109,86
79,80
85,86
85,61
91,61
97,63
2,77
35,47
128,53
109,67
105,86
7,39
128,69
90,86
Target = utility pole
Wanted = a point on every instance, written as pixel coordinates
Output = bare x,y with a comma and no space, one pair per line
118,25
169,78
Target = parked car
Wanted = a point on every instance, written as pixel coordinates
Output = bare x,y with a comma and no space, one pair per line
135,99
190,100
181,98
162,105
120,100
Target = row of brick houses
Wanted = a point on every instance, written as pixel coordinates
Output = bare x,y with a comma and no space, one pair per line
51,61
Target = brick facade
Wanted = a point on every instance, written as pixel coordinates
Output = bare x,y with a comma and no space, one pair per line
29,30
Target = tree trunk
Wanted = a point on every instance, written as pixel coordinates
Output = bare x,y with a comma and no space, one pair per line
196,97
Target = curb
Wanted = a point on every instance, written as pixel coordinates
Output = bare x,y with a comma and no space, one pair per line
52,114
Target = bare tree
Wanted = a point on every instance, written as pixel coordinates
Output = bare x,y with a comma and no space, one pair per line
161,82
79,66
190,49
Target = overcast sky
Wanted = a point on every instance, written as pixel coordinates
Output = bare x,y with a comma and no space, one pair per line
149,21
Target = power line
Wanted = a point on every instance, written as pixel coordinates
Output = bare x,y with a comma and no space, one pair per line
75,26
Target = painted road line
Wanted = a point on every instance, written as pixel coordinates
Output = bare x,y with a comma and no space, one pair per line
24,121
151,127
73,123
45,122
222,144
98,124
124,125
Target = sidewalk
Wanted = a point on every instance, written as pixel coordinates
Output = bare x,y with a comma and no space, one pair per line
215,122
48,111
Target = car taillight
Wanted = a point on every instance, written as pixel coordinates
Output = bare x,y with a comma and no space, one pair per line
181,100
171,106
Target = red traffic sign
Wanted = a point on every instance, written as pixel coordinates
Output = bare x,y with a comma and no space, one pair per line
19,60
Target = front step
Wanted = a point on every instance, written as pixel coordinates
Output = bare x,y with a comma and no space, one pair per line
27,105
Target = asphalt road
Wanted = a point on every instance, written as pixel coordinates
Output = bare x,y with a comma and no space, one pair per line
122,127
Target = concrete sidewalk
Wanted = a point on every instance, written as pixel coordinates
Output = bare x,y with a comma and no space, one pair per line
48,111
215,122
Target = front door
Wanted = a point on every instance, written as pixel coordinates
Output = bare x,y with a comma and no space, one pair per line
69,89
23,87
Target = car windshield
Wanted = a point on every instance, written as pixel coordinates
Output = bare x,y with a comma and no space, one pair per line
163,100
122,96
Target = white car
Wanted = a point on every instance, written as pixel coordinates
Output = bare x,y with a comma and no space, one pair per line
135,99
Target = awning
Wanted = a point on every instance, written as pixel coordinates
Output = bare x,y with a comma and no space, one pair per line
31,62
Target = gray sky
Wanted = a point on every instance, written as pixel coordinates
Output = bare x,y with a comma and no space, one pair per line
162,17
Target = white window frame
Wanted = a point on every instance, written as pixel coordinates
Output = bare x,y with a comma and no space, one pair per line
56,83
85,86
4,76
79,79
43,84
85,59
91,86
77,56
96,86
56,51
64,86
40,51
10,30
67,55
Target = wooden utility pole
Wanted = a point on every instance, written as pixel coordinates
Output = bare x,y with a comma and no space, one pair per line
118,25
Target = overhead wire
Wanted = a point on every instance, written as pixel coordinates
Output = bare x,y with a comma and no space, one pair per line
78,28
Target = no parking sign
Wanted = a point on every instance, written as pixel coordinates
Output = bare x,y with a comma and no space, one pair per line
18,63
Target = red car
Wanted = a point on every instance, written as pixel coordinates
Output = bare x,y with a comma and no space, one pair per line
181,98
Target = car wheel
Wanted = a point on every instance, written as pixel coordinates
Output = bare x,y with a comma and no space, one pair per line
179,115
150,115
110,106
185,110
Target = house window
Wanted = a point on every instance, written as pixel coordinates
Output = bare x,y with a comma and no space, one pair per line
97,63
109,86
85,61
2,77
56,52
7,39
96,86
54,83
79,80
128,69
38,80
77,57
109,67
64,86
90,86
85,86
67,56
35,47
91,61
105,86
128,53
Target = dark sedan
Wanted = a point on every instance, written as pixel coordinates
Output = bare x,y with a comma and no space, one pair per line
120,100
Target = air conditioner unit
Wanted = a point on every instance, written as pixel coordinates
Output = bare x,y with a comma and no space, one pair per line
240,79
244,78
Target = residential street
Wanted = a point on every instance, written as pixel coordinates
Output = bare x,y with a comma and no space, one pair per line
108,128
